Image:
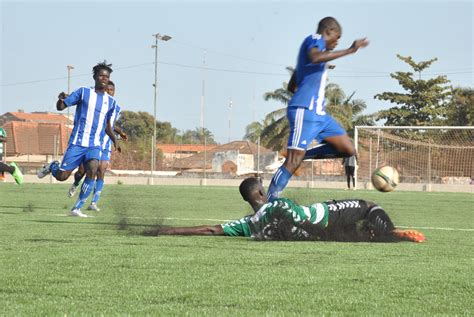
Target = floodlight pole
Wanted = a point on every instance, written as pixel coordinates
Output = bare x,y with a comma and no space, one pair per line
69,68
165,38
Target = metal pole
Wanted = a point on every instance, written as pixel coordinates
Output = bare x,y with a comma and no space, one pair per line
203,91
153,141
258,157
69,68
429,167
356,146
157,37
378,149
230,118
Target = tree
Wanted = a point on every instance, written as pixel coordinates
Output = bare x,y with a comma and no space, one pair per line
424,102
139,126
253,131
461,109
196,136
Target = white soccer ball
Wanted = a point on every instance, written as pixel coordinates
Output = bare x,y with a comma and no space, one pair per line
385,178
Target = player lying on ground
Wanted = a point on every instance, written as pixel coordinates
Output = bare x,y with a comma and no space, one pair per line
104,159
335,220
91,122
306,113
13,169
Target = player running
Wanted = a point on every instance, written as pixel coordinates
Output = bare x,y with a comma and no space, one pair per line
14,170
306,110
282,219
104,159
11,168
92,121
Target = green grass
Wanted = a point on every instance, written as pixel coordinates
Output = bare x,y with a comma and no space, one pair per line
56,265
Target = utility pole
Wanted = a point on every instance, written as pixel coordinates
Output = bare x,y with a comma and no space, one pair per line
230,118
69,68
165,38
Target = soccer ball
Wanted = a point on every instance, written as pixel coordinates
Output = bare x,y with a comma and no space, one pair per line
385,178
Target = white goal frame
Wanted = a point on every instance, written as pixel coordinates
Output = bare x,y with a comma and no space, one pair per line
379,128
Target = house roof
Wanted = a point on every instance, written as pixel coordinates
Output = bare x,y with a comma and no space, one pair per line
36,138
196,161
184,148
43,117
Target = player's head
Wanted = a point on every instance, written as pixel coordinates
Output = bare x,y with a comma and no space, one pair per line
252,190
110,88
101,74
331,30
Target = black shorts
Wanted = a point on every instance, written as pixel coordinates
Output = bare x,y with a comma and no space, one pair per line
350,170
348,220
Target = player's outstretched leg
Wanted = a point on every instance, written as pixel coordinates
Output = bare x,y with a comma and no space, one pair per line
284,173
383,230
14,170
52,167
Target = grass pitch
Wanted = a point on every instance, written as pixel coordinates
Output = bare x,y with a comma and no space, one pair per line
51,264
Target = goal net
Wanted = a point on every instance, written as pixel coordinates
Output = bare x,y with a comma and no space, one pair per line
429,155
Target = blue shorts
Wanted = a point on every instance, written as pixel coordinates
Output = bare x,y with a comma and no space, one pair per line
76,155
306,126
105,156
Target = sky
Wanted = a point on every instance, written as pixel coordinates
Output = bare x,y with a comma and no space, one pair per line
246,46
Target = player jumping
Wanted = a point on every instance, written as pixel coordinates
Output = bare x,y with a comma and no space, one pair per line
306,110
104,159
282,219
92,121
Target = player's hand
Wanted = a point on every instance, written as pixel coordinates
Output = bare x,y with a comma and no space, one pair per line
360,43
124,136
62,96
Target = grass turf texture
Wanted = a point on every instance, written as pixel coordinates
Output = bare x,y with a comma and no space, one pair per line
56,265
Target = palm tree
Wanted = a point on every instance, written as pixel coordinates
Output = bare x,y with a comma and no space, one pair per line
346,110
253,131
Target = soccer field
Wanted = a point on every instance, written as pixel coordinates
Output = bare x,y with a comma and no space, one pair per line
51,264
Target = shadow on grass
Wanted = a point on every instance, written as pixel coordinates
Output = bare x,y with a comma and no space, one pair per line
116,224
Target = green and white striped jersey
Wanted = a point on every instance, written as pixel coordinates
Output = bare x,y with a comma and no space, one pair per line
249,226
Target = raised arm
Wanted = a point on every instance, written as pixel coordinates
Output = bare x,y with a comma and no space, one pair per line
317,56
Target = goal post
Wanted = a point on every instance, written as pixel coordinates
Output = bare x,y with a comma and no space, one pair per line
422,154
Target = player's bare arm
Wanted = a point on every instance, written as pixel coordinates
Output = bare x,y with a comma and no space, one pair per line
112,137
317,56
122,134
60,105
215,230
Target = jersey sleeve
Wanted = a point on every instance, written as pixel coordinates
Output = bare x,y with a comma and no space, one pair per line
74,98
237,228
316,41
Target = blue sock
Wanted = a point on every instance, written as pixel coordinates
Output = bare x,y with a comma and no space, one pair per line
86,189
323,151
54,168
98,190
279,182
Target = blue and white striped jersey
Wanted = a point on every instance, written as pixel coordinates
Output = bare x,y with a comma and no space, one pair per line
310,78
92,112
107,143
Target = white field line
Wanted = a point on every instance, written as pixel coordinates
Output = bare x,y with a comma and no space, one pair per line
227,220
